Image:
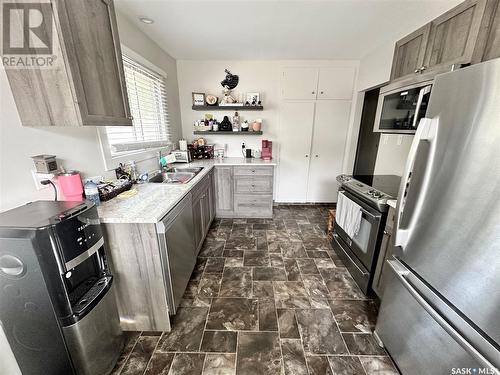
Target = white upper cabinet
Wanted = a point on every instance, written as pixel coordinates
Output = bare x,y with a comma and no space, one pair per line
299,83
336,83
304,83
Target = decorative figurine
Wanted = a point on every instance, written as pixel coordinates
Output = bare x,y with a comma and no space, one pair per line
229,83
226,125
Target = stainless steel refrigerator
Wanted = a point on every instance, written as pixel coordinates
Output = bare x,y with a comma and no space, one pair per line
440,313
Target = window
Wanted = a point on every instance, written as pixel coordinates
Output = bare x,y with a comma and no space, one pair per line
147,97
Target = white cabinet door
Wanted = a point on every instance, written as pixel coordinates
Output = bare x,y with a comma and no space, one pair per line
295,143
299,83
331,122
336,83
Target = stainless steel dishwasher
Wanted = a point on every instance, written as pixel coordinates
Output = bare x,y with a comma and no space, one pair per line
177,250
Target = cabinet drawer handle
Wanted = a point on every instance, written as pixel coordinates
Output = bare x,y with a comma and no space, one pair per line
321,92
417,71
313,92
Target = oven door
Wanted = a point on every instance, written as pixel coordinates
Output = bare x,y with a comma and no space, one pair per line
364,244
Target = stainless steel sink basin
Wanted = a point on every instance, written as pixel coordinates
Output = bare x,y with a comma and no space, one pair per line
175,175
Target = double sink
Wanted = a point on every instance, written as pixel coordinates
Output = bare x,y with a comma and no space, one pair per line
175,175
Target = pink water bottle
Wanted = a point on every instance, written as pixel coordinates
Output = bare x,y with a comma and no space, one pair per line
70,184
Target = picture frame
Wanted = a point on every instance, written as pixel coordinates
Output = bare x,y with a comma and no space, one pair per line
198,99
251,96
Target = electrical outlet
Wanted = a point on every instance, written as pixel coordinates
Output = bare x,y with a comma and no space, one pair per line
243,145
37,177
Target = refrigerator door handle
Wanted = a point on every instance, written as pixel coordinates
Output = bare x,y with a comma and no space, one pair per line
402,274
426,133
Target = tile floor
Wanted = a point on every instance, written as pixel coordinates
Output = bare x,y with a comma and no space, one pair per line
266,297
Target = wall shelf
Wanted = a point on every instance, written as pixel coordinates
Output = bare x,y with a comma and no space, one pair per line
227,108
226,133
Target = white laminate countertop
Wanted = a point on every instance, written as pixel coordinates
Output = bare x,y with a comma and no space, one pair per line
154,200
392,203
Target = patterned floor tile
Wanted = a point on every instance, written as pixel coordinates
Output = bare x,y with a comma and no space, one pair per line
259,353
233,314
266,296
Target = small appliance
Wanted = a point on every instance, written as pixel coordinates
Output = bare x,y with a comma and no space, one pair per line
400,109
248,152
181,156
57,308
71,186
45,163
267,150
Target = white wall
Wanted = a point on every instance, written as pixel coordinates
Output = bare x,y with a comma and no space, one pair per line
255,76
392,153
76,148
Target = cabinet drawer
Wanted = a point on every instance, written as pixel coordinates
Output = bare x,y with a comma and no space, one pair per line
257,206
253,171
251,184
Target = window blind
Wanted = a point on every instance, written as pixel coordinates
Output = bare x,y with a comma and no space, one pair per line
147,98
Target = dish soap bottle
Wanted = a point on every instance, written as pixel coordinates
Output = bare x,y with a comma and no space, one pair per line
236,122
91,192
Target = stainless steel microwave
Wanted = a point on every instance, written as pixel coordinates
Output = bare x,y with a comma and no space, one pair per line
400,110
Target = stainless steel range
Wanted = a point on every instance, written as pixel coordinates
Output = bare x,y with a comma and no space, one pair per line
359,251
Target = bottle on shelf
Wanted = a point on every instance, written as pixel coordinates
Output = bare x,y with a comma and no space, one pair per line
236,122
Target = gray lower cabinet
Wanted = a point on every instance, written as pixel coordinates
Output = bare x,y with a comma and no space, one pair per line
224,194
244,191
203,210
152,263
386,251
84,84
136,263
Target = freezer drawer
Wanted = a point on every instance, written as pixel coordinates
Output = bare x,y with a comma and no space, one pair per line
416,341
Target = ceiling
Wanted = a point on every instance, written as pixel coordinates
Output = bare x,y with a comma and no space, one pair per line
260,30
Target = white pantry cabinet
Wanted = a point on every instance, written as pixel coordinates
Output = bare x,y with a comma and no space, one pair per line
331,121
295,148
302,83
313,132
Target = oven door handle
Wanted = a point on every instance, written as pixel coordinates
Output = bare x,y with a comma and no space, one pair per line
426,133
364,211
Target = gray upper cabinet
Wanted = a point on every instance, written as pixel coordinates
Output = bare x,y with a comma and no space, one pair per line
492,44
457,37
454,36
409,53
86,84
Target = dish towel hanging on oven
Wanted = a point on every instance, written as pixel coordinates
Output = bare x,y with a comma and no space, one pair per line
348,215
